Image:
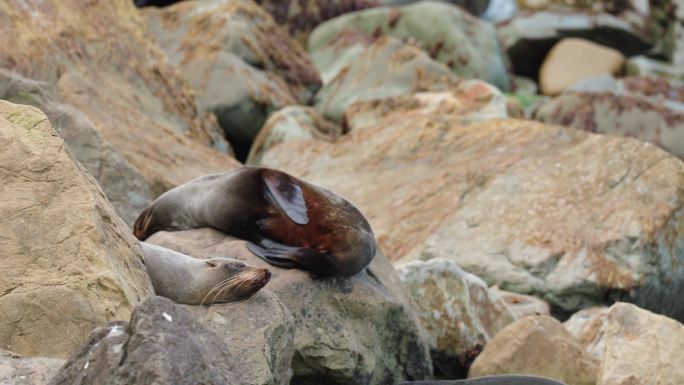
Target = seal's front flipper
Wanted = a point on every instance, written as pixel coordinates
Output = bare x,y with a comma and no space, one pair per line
287,194
275,256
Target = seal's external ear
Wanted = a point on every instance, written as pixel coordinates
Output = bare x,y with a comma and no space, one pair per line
287,194
210,263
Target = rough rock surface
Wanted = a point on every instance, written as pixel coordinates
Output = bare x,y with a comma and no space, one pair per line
101,62
522,305
125,187
537,345
641,348
588,326
528,37
386,68
576,218
650,109
467,46
16,370
162,344
292,123
241,64
573,60
69,262
258,335
458,311
359,330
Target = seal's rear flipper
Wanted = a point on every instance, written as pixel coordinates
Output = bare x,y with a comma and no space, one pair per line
288,195
275,257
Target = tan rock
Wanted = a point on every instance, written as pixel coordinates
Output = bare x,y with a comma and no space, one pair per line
457,309
572,60
569,216
537,345
522,305
642,348
100,60
69,263
588,326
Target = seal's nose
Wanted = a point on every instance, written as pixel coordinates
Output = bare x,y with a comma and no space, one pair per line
267,276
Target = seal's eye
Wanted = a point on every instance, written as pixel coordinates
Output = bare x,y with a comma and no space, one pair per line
210,263
234,265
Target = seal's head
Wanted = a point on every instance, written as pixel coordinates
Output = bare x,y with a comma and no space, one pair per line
157,217
230,280
143,225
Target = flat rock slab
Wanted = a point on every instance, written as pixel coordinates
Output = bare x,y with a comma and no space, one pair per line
574,217
360,330
69,262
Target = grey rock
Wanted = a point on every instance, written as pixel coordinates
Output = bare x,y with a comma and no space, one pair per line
162,344
360,330
258,335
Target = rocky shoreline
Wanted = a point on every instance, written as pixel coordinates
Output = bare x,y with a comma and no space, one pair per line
523,177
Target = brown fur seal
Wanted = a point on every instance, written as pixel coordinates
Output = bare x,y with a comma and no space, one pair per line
289,223
192,281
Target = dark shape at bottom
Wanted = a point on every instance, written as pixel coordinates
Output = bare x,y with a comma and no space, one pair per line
493,380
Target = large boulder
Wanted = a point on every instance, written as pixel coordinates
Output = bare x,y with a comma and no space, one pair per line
69,262
534,208
359,330
100,60
457,310
162,344
537,345
17,370
650,109
125,187
258,334
641,348
384,69
467,46
241,64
